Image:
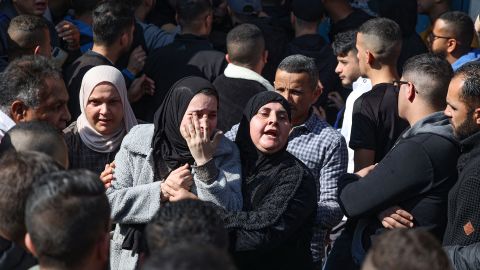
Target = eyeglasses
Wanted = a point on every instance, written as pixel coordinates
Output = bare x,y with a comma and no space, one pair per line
398,84
431,37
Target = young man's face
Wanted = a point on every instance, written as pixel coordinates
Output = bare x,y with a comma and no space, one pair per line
31,7
438,38
348,68
460,114
361,55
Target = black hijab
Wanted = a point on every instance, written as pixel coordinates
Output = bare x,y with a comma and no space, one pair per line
168,144
250,156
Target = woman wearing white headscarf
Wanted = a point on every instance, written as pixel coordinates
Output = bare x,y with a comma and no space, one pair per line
106,117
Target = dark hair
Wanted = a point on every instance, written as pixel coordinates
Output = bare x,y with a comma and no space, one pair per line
18,171
24,79
384,38
245,45
191,12
187,256
37,136
431,76
403,12
32,30
460,25
66,214
470,94
110,21
84,6
192,220
407,249
298,64
344,42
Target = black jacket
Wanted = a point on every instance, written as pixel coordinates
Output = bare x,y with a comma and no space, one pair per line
463,200
234,94
464,258
13,257
416,175
188,55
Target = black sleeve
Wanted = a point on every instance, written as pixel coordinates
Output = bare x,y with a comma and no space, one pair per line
403,173
364,125
464,257
276,218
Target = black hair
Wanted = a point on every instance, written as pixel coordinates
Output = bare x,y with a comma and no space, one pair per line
431,76
245,45
186,256
412,249
24,79
403,12
191,12
384,38
344,42
193,220
298,64
32,30
110,20
66,214
460,25
470,73
18,172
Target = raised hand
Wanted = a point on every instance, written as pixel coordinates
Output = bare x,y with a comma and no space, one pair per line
107,175
69,33
137,60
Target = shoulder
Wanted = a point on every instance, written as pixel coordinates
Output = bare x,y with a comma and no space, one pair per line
139,139
226,147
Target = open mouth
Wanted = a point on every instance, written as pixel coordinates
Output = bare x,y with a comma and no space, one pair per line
271,132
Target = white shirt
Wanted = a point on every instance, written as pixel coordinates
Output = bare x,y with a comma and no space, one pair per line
359,87
6,123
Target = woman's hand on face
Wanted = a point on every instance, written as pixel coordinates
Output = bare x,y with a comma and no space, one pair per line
107,175
177,195
196,133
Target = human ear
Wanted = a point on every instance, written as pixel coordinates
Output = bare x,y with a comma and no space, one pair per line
18,111
29,245
451,45
476,116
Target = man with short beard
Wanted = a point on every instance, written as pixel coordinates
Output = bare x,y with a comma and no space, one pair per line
463,109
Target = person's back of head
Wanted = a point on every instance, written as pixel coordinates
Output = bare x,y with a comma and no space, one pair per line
459,25
344,43
246,46
433,7
186,256
68,221
307,12
470,92
38,136
403,12
84,7
411,249
188,220
430,75
24,80
111,20
382,38
18,172
27,35
194,16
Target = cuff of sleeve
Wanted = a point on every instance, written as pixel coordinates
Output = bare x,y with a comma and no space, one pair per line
128,74
208,172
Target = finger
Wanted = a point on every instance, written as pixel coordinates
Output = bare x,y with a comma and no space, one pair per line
172,183
400,219
204,126
217,138
191,128
196,124
394,223
113,164
184,132
167,189
386,225
404,214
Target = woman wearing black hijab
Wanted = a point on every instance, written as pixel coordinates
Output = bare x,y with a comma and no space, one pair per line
274,228
172,159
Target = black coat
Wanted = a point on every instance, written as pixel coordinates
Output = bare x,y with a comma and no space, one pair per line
464,198
464,258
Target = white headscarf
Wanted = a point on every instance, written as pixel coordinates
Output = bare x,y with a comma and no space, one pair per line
90,137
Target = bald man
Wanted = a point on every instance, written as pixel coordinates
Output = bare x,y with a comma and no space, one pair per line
375,121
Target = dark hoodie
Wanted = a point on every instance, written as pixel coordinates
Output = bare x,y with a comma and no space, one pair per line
416,175
316,47
13,256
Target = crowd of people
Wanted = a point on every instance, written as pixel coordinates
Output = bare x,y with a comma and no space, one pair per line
231,134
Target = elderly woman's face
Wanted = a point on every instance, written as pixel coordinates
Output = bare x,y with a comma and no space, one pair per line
104,109
269,128
205,108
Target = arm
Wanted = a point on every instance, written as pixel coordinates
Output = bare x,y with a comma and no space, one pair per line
363,134
280,214
132,202
393,180
467,257
329,212
219,180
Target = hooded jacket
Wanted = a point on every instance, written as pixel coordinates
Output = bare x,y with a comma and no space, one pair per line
415,175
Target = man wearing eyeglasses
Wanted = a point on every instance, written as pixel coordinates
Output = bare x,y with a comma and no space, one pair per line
417,174
451,37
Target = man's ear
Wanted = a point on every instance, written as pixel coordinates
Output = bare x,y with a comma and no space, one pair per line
29,245
227,57
265,56
18,111
317,92
452,44
292,18
36,50
410,93
370,58
476,116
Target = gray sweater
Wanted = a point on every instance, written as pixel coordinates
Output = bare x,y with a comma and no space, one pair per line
135,197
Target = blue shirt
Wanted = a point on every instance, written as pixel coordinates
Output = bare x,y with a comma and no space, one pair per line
473,55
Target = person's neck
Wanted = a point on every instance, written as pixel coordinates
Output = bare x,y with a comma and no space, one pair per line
86,18
385,74
418,113
455,55
339,10
302,31
198,33
437,11
108,52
